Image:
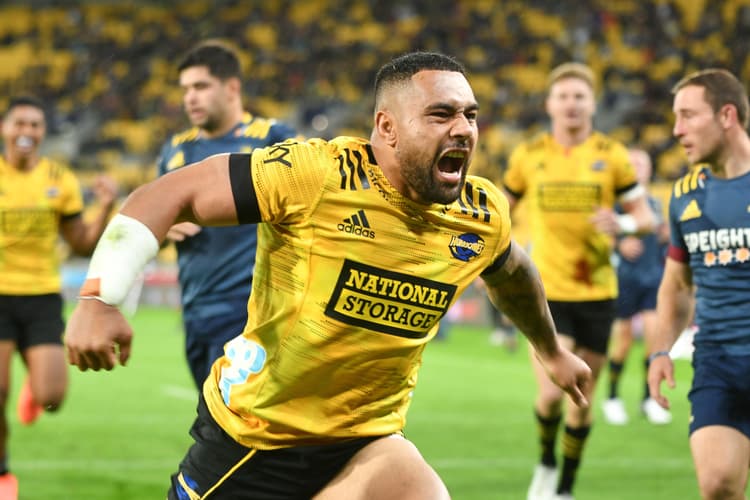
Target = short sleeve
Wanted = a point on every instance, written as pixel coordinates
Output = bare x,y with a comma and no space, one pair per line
288,178
514,179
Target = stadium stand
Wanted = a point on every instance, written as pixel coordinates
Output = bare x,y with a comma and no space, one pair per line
104,67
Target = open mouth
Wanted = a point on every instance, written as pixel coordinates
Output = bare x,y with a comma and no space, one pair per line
24,142
451,164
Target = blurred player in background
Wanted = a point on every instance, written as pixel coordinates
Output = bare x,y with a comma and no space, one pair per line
708,266
639,270
572,177
364,246
215,263
40,199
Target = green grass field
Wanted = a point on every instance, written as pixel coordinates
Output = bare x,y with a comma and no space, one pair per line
121,433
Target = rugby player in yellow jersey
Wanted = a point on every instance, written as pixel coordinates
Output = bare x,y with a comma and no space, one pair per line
572,177
363,247
40,199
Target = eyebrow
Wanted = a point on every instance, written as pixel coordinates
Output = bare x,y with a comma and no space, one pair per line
451,107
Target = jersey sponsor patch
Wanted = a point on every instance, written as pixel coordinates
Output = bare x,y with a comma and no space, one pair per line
569,197
387,301
28,221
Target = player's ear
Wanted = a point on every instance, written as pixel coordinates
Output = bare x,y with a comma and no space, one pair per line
385,127
728,115
234,85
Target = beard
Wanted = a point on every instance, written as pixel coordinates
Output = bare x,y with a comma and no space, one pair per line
210,124
417,171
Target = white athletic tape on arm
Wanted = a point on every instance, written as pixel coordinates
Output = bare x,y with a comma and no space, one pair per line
627,224
122,252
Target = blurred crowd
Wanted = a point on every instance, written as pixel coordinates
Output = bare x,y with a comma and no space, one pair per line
106,69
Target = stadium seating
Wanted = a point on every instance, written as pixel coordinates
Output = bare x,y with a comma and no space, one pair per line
111,63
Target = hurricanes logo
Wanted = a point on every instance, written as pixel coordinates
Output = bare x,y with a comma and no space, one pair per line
358,225
466,246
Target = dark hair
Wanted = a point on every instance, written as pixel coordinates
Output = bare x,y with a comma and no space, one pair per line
24,100
405,66
720,87
219,57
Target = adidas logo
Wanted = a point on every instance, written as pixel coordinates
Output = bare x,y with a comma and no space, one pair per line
357,224
692,211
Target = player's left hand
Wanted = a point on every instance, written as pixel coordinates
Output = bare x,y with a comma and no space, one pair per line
97,336
570,373
105,189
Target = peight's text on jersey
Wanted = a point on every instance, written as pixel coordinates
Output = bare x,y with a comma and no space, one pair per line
717,239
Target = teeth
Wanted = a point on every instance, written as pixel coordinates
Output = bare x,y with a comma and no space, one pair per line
24,142
455,154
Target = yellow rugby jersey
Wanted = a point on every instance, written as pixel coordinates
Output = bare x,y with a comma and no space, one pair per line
564,187
32,203
350,281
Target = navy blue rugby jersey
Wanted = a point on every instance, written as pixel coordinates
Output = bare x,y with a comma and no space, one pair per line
710,230
648,268
216,265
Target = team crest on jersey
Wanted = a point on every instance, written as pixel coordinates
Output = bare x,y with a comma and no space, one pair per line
388,302
53,192
466,246
598,166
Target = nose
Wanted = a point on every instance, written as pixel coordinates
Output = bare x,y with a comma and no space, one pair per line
678,129
188,96
462,128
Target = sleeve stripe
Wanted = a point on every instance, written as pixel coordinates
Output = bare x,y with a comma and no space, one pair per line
245,199
627,188
498,263
677,253
516,194
71,216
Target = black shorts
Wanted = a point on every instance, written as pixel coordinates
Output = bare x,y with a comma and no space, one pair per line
217,463
31,320
588,322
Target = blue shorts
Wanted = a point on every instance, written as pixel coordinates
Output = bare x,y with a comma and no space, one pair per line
635,297
205,339
720,394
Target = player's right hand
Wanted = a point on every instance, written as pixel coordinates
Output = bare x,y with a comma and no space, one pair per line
97,336
570,373
183,230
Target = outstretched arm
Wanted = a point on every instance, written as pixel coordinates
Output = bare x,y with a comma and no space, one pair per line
516,289
97,335
199,193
